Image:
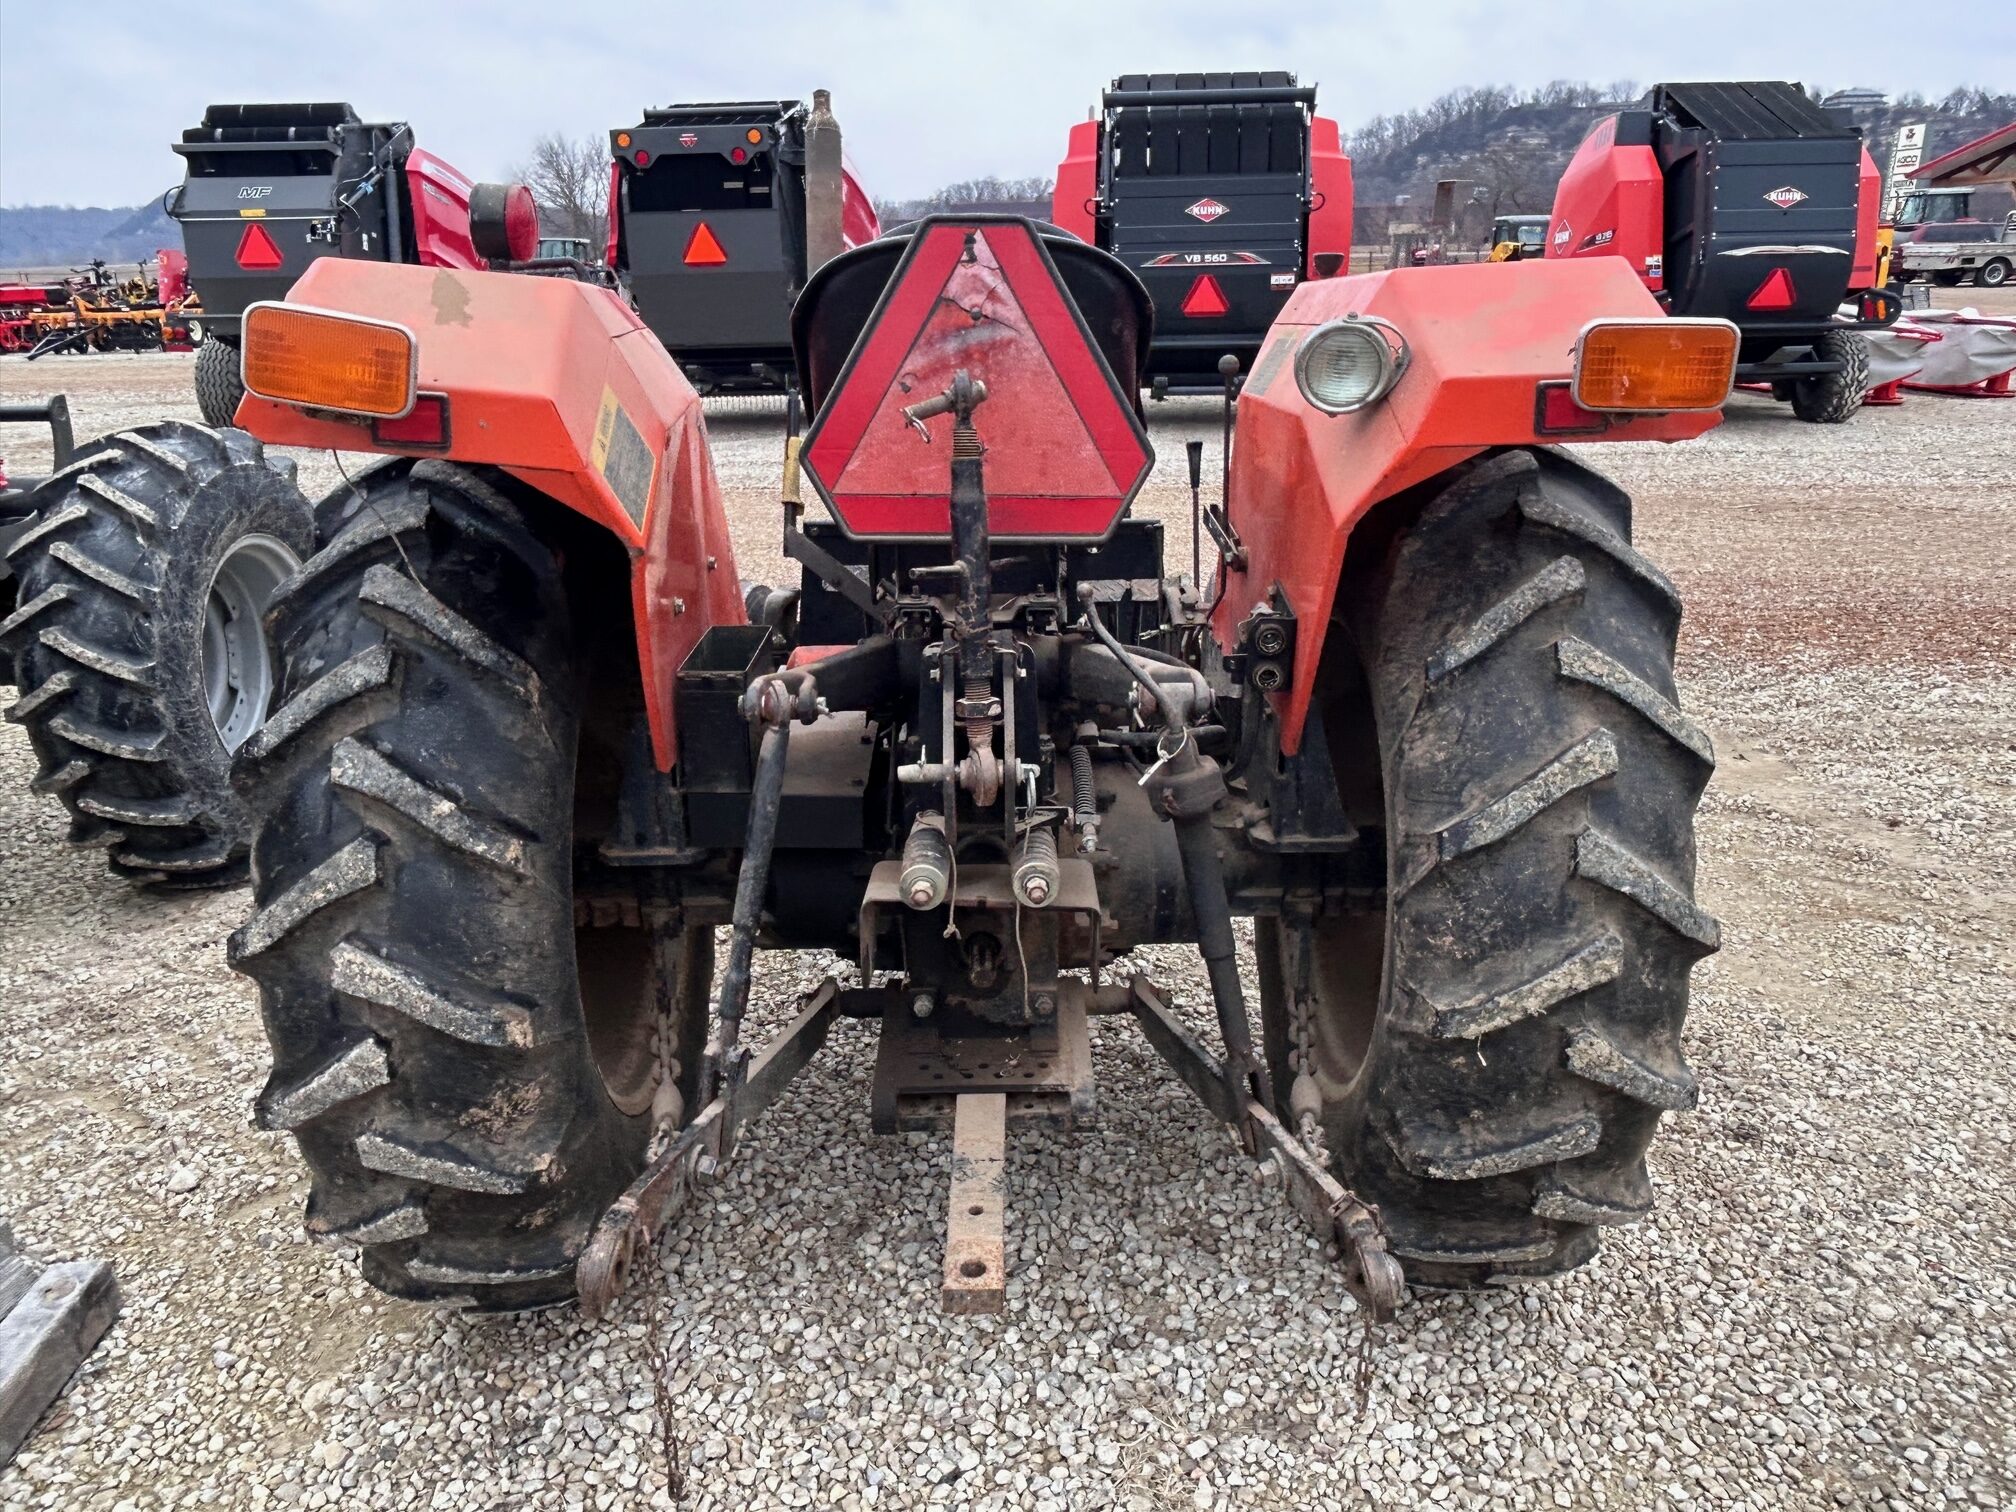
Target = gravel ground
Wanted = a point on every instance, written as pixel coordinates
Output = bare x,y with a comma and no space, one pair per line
1819,1314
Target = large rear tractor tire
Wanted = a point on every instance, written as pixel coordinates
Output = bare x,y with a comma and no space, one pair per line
138,644
1833,398
465,1114
219,385
1491,1056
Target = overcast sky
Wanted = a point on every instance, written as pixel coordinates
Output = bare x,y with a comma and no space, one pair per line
929,91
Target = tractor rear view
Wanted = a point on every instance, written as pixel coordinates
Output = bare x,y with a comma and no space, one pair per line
1747,203
1223,192
712,220
535,745
270,188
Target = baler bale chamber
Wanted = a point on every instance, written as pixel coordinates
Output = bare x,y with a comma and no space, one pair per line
717,213
1222,192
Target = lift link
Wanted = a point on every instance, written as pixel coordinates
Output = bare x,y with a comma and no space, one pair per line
1334,1214
730,1089
696,1154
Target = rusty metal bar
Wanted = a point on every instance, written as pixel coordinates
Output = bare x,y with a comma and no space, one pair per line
1332,1211
976,1263
637,1217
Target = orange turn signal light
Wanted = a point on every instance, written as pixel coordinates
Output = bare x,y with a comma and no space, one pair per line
328,360
622,139
1671,363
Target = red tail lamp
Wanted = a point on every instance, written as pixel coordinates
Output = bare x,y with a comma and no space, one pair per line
424,426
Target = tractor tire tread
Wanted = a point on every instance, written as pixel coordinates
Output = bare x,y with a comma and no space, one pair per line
106,641
219,382
1833,398
413,879
1541,787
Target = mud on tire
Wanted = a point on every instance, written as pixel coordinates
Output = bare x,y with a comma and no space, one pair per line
119,585
1494,1085
464,1119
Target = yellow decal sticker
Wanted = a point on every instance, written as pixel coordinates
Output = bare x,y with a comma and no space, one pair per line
619,454
252,214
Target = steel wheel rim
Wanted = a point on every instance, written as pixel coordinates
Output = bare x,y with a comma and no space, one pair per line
237,662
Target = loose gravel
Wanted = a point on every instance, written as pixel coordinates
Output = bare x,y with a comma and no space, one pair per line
1818,1314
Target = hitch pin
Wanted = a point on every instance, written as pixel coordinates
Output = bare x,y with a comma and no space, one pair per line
918,413
941,404
1162,757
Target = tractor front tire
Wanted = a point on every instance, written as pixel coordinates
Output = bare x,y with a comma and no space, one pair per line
465,1114
1492,1054
137,642
219,384
1833,398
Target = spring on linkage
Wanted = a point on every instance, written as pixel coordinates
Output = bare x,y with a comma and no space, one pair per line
1084,799
927,863
1037,876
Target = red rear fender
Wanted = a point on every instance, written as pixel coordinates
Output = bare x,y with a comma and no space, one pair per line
560,385
1483,339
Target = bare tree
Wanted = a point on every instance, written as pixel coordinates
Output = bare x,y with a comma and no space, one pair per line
1015,195
569,177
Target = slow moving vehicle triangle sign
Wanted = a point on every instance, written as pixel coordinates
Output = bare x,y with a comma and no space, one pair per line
983,296
703,248
257,251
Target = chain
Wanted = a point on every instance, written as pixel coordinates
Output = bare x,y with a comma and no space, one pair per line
1304,1100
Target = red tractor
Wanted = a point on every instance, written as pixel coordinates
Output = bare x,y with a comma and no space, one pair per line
535,744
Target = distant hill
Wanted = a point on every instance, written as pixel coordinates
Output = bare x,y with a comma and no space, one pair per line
48,236
1514,144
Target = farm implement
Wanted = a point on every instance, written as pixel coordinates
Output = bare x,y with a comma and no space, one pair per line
270,188
94,310
1747,203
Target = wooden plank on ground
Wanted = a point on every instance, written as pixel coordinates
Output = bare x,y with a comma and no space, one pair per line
45,1336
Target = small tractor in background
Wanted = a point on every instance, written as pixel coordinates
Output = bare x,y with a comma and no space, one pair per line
710,222
534,743
270,188
1223,192
134,581
1514,237
1748,203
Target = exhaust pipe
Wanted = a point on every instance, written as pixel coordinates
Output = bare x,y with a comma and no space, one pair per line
824,207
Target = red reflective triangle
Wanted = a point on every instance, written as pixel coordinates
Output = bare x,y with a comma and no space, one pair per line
1205,298
1775,293
257,251
1064,447
702,250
